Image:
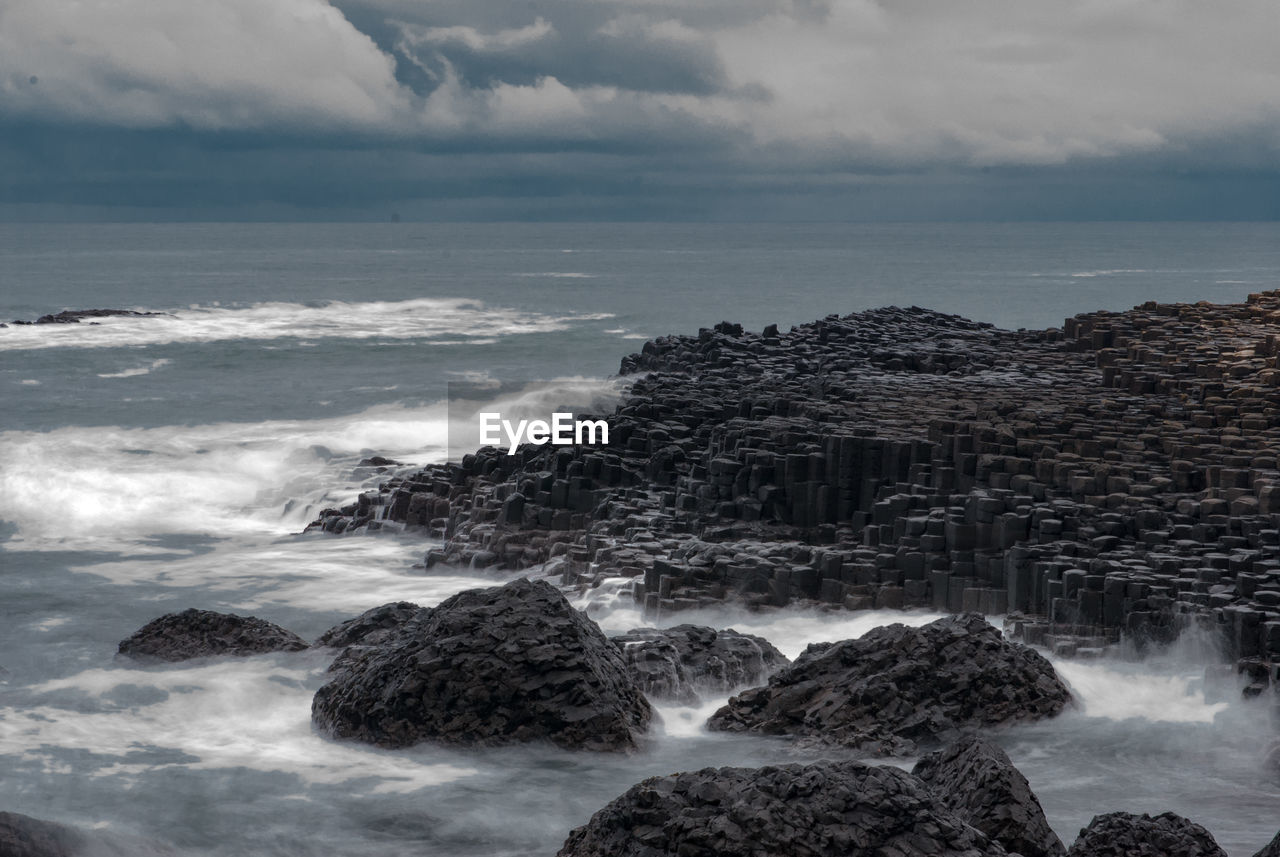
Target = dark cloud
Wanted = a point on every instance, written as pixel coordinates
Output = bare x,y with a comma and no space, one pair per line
627,108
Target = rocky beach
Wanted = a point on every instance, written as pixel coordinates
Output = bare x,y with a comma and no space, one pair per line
1098,489
1003,517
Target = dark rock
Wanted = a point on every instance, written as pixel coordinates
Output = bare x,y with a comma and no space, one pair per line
373,627
204,633
74,316
1271,849
24,836
490,666
832,809
975,779
897,687
379,461
1125,834
675,663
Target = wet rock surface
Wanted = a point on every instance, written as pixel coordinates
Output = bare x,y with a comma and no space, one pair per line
897,688
24,836
1124,834
827,808
204,633
1116,476
374,627
503,665
976,780
680,662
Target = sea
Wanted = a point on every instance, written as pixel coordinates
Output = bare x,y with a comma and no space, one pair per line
150,464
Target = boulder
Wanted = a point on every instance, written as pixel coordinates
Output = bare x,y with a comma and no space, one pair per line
975,779
1125,834
1271,849
491,666
827,808
373,627
24,836
204,633
896,688
675,663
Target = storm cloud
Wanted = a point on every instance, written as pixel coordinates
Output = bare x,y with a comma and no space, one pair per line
357,103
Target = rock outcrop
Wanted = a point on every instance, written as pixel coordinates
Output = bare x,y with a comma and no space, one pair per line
975,779
896,688
204,633
1125,834
24,836
375,626
827,809
676,663
1116,475
493,666
1271,849
75,316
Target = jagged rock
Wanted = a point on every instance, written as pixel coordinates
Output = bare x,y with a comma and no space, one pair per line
204,633
975,779
1125,834
832,809
675,663
1271,849
24,836
489,666
897,687
373,627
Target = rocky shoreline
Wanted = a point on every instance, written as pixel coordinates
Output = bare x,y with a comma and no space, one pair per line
1115,478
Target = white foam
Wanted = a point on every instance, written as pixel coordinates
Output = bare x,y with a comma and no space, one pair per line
1119,691
242,712
103,484
1108,272
137,370
448,320
559,275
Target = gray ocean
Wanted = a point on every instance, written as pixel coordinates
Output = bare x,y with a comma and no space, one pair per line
153,464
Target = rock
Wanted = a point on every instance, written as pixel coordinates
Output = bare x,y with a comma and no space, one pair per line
975,779
828,808
1271,849
897,687
675,663
492,666
204,633
379,461
74,316
24,836
373,627
1125,834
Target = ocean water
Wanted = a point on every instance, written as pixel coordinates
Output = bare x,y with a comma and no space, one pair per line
153,464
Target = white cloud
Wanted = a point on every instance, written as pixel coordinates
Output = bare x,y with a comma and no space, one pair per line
896,82
210,64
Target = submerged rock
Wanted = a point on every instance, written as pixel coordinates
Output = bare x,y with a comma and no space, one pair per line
204,633
491,666
975,779
827,808
24,836
675,663
373,627
1126,834
897,687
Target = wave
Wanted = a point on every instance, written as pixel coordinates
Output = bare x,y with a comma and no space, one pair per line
558,275
137,370
448,321
100,485
1108,272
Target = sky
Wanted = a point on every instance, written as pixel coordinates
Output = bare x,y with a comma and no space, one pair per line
756,110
